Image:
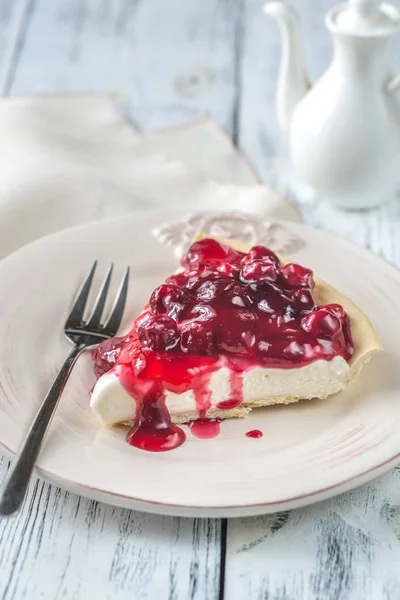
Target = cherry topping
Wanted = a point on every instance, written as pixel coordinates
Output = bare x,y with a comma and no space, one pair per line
209,252
259,270
203,312
261,253
106,355
197,338
167,297
237,296
297,276
211,288
237,341
179,279
158,333
303,299
225,307
336,310
322,323
129,351
228,270
294,352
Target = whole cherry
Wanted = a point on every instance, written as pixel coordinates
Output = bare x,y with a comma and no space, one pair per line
297,276
211,253
167,296
322,323
259,270
303,299
261,253
158,333
336,310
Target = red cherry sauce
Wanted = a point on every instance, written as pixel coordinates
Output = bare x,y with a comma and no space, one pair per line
228,404
223,309
205,429
254,433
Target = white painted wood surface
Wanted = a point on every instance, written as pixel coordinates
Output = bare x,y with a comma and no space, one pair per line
179,60
64,546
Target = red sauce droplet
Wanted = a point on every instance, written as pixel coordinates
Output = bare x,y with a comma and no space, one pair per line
227,404
147,436
254,433
236,392
153,430
205,429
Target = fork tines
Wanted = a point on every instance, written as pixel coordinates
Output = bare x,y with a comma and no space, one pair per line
76,317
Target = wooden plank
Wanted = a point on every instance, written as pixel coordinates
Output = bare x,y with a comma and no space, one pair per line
64,546
346,548
14,19
174,58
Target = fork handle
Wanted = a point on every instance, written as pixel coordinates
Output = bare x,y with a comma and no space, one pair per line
16,483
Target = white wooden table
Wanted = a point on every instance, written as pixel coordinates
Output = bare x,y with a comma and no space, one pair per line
181,59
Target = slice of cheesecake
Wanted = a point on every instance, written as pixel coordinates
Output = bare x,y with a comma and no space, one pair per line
235,328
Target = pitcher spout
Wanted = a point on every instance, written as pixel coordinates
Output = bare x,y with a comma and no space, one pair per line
293,82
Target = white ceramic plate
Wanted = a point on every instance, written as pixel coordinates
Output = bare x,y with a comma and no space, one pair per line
309,451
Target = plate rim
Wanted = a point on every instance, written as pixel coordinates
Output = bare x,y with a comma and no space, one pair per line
228,511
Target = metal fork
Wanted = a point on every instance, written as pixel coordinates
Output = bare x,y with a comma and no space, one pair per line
83,335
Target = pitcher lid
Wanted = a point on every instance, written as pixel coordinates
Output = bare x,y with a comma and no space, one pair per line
364,17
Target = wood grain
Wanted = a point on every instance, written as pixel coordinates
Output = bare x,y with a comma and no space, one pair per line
65,546
14,22
175,59
347,548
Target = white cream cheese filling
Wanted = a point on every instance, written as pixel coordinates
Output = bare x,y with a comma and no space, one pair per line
261,386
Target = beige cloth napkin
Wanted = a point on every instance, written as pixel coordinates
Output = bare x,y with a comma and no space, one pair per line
71,159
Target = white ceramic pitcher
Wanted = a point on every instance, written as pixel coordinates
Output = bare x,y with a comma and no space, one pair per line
344,131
